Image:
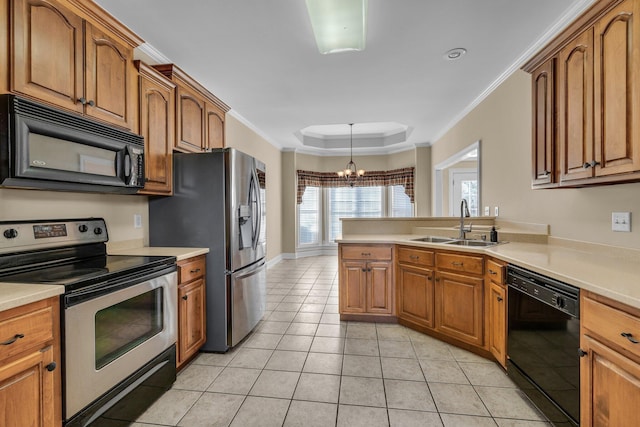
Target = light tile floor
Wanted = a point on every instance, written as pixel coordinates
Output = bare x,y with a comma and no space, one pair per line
302,366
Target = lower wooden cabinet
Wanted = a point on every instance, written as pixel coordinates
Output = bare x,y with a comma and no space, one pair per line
366,280
610,363
459,307
416,295
496,310
30,393
192,329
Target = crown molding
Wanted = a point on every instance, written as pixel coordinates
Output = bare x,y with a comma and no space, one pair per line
154,54
251,126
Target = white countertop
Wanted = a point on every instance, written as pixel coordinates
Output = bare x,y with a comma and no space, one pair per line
179,253
16,294
594,269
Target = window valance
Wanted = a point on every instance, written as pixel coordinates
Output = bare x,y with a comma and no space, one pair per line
402,177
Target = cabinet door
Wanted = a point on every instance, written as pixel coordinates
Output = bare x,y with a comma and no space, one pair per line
379,287
616,97
27,391
109,67
609,386
215,127
191,318
498,322
575,107
157,120
543,138
190,121
47,58
353,278
459,305
415,295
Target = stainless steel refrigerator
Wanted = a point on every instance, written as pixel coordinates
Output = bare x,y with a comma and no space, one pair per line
219,203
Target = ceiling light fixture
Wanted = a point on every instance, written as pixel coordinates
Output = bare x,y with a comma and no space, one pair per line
350,172
454,54
338,25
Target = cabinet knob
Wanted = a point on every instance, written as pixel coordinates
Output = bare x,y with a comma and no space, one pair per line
82,101
10,341
185,297
51,366
91,103
630,337
197,270
499,298
582,353
594,163
545,173
493,273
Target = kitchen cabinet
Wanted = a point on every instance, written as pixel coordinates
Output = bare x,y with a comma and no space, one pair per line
415,286
597,78
496,310
543,124
74,55
29,365
157,125
610,363
366,281
191,308
199,114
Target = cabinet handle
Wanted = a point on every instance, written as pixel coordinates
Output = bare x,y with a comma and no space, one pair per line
185,297
414,257
365,253
457,264
197,270
15,338
630,337
581,353
51,366
594,163
82,101
493,273
545,173
499,298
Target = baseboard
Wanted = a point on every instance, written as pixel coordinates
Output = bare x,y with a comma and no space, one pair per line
275,260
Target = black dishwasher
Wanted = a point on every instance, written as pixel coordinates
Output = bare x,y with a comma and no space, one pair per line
543,342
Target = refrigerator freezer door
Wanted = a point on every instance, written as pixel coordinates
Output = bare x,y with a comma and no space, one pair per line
244,209
248,300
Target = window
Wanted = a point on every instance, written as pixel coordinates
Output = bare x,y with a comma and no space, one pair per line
400,204
309,217
352,202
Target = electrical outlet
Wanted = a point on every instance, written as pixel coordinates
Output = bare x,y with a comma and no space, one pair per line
621,221
487,211
137,221
496,211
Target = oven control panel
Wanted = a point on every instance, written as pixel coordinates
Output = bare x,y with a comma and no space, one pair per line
18,236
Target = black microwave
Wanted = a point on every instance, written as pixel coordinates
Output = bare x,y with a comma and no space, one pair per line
45,148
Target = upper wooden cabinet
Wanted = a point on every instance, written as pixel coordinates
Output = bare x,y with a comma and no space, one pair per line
157,125
597,104
199,114
74,55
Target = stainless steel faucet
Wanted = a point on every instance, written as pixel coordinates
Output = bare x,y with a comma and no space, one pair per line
464,212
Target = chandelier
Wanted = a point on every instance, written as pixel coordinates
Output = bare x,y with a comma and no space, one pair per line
351,172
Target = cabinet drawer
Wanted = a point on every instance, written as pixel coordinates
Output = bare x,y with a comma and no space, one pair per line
415,256
495,271
459,263
366,252
610,324
25,331
191,269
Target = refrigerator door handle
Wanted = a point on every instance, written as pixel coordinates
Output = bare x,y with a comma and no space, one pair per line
254,196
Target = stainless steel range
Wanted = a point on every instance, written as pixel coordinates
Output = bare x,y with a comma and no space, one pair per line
119,315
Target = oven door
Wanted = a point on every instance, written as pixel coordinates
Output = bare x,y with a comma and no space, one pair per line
109,337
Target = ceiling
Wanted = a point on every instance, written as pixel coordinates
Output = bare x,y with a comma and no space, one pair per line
260,58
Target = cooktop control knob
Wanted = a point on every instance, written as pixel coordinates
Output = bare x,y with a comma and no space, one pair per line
559,301
97,231
83,228
10,233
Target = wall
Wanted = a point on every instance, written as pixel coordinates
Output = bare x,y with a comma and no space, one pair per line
117,210
503,123
241,137
292,161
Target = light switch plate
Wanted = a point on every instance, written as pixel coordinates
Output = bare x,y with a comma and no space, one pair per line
487,211
137,221
496,211
621,221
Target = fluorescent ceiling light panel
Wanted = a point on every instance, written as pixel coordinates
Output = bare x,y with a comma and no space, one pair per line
338,25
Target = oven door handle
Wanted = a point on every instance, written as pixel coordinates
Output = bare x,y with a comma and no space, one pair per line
109,286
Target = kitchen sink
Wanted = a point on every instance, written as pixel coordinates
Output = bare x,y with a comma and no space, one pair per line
433,239
480,243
